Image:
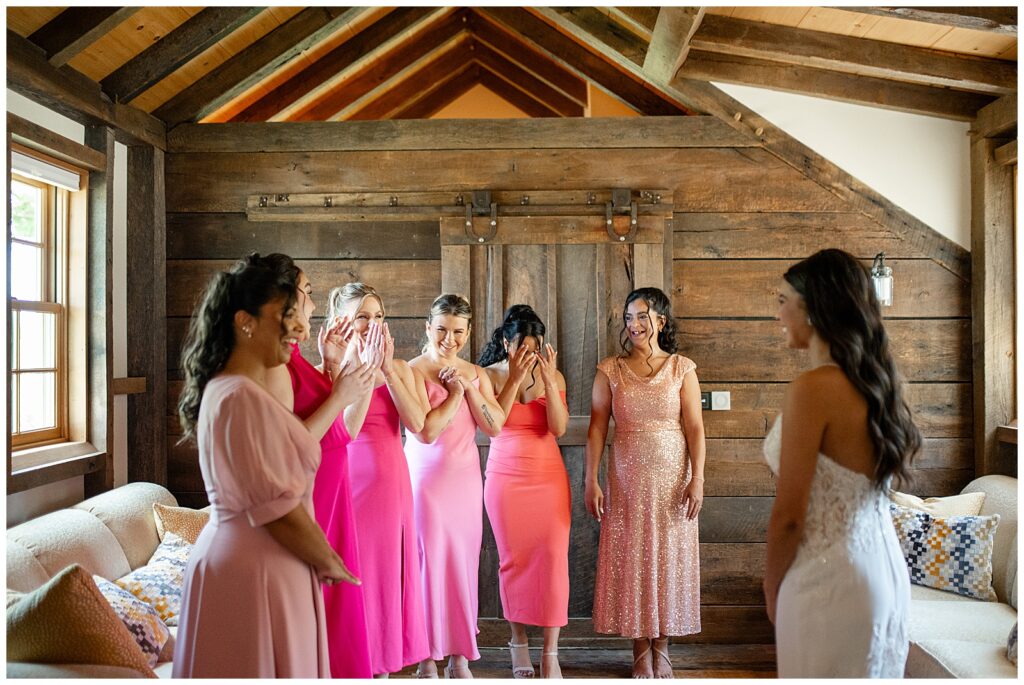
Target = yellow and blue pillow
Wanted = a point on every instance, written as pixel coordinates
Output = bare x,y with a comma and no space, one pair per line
160,582
953,553
141,620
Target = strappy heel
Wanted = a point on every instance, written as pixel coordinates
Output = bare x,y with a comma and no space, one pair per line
520,672
457,672
544,673
664,655
421,673
644,653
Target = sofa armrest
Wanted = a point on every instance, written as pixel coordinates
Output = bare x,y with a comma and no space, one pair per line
25,669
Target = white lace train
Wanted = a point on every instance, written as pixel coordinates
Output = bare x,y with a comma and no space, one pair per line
843,605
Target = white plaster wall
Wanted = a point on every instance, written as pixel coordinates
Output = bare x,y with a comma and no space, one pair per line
920,163
31,503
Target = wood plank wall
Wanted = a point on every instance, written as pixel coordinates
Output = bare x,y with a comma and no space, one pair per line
741,217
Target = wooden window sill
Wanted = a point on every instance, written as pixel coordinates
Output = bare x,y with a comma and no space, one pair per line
1007,434
42,465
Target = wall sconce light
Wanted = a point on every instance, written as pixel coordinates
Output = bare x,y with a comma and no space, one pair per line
881,277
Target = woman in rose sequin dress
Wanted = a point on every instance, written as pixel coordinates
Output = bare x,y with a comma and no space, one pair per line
648,575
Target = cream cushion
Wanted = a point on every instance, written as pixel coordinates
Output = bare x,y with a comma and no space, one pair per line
959,659
1001,498
941,507
970,621
126,512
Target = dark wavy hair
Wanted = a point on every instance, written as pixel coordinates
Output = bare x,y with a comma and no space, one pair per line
844,311
248,285
657,302
520,322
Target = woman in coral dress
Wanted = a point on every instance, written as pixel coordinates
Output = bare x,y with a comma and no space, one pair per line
252,606
444,465
648,574
382,496
332,401
527,493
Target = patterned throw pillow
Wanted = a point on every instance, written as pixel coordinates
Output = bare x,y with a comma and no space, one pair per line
160,582
967,504
1011,645
139,618
186,523
952,554
67,621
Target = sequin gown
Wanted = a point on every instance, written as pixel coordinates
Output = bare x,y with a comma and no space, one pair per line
347,638
530,509
844,605
382,501
648,567
448,501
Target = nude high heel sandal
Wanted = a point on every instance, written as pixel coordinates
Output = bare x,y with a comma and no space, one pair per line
554,672
521,671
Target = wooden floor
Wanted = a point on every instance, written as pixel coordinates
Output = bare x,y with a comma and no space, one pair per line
689,661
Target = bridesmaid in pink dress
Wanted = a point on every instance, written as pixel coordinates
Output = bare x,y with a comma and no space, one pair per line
252,606
333,401
527,491
648,570
382,496
444,464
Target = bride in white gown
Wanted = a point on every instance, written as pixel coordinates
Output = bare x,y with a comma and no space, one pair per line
836,584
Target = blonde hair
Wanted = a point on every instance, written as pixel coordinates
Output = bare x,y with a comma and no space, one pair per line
342,296
452,304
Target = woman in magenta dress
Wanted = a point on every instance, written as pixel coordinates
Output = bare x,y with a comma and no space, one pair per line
382,495
252,606
527,488
332,402
444,465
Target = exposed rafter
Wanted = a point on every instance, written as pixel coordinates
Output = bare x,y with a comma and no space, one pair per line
75,29
553,99
441,94
894,95
256,63
861,56
994,19
324,72
497,83
338,103
175,49
594,22
670,41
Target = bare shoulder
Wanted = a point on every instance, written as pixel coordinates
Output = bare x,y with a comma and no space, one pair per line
816,390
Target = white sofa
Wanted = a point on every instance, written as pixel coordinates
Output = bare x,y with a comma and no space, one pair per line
952,636
110,535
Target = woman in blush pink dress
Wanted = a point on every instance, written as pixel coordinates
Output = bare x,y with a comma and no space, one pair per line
252,606
382,495
444,464
648,565
332,401
527,489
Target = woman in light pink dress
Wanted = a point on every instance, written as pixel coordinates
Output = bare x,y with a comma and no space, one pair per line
251,606
444,465
648,570
382,496
332,401
527,493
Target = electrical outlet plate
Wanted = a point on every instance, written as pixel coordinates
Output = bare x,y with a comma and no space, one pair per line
720,401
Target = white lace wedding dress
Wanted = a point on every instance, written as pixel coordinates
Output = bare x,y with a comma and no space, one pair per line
843,605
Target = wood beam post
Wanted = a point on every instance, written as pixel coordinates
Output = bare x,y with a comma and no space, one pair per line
75,29
993,19
670,42
147,321
992,298
100,326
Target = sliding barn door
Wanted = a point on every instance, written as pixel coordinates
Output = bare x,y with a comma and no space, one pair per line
576,276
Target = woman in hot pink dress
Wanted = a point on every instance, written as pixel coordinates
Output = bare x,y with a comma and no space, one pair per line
527,489
444,464
332,401
382,496
252,606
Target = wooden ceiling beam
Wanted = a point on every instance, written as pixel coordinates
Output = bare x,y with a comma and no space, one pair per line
833,85
620,77
640,29
163,58
996,119
609,34
486,31
445,93
322,73
861,56
348,96
76,96
992,19
526,81
75,29
403,87
257,63
507,91
670,41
